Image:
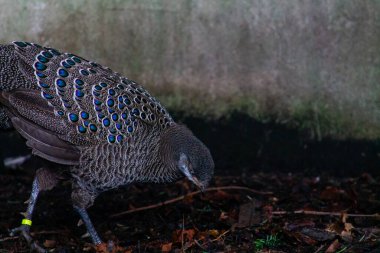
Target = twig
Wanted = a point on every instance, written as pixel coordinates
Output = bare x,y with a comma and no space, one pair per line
220,236
9,238
319,249
375,215
170,201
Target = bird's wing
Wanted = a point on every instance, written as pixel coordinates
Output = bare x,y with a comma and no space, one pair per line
94,103
35,121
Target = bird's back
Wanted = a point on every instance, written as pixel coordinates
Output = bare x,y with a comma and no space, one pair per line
56,100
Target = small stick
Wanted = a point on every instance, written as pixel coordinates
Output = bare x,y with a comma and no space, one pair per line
375,215
9,238
170,201
319,249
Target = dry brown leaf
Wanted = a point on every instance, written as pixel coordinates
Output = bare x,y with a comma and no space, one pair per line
213,232
167,247
49,243
188,235
333,246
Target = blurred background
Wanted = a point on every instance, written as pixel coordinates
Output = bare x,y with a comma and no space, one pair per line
282,85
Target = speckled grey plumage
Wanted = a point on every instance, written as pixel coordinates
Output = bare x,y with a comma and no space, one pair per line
106,128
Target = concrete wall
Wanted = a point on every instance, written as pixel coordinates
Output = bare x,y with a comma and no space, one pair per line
309,64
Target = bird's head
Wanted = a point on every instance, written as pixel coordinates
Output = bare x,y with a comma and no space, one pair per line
187,155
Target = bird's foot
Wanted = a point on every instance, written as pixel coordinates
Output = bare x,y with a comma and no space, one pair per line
110,247
23,230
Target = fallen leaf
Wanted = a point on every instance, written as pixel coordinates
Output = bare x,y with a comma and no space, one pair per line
49,243
213,232
167,247
248,216
333,246
188,235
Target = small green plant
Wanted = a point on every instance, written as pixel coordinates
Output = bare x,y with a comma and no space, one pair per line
271,241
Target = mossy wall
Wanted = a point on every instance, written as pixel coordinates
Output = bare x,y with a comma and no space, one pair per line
314,65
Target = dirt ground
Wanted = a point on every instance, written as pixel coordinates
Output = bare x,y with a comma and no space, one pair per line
253,212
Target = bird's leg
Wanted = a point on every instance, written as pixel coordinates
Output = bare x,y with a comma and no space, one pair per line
82,199
44,180
87,221
26,223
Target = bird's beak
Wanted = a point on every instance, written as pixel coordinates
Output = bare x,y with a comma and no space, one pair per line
197,183
185,171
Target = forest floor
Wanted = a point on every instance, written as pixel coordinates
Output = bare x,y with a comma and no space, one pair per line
256,212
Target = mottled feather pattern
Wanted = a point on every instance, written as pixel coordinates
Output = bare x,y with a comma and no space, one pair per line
101,104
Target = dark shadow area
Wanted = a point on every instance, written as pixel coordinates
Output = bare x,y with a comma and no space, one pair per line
241,144
244,143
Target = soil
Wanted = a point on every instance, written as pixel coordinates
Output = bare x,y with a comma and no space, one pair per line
295,195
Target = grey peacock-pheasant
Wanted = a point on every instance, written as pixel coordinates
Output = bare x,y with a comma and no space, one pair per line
107,130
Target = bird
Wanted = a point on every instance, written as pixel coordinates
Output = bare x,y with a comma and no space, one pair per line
106,130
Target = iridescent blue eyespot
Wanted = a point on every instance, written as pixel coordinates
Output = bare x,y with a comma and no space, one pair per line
60,113
20,44
119,126
136,111
84,72
79,82
111,92
121,106
103,85
63,73
115,117
111,138
86,122
42,59
110,102
77,60
67,105
92,71
79,93
112,130
73,117
119,138
40,66
93,128
81,129
43,85
106,122
94,64
40,74
96,94
124,115
120,98
98,108
130,129
47,54
101,115
98,87
143,115
127,101
47,96
84,115
61,83
97,102
70,62
65,64
79,87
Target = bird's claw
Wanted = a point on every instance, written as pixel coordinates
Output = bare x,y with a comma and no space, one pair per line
23,230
